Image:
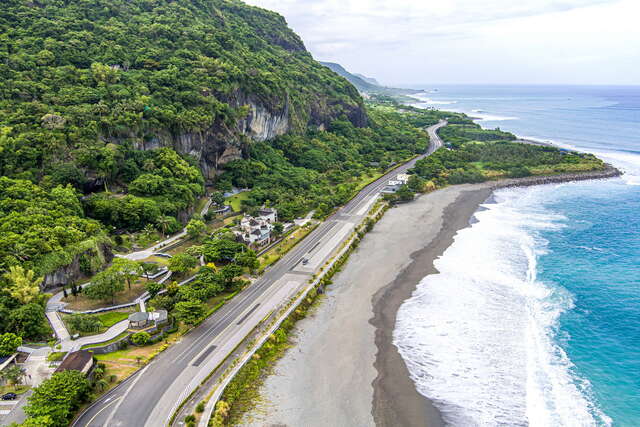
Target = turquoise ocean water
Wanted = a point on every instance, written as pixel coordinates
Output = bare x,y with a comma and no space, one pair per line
534,318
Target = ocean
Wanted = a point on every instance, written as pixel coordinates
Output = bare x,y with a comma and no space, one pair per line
534,318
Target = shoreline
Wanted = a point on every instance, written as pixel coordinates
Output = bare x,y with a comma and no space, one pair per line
343,368
396,400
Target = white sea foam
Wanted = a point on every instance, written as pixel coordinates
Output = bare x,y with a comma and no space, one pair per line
478,338
485,117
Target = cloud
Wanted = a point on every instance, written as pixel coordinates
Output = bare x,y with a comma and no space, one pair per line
374,36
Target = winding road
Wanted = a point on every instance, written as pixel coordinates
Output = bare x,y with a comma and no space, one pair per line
150,396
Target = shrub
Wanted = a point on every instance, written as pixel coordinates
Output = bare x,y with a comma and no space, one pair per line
140,338
84,323
200,407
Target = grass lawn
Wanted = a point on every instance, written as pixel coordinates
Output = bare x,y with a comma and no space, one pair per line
367,178
160,260
107,319
13,389
110,318
81,302
125,362
56,356
236,200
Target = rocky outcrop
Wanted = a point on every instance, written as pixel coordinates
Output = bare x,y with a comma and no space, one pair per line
264,120
72,272
608,172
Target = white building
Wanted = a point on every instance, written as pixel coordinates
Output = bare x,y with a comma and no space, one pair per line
403,178
394,184
256,231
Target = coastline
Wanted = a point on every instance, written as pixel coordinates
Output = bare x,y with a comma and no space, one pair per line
396,400
344,368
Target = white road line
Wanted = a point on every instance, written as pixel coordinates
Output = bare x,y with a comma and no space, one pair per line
105,407
124,396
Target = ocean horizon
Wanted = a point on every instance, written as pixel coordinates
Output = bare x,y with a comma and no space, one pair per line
540,325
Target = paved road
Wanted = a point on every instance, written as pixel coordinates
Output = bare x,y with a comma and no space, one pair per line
149,397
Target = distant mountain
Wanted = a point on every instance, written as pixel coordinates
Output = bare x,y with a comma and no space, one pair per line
365,84
368,79
360,83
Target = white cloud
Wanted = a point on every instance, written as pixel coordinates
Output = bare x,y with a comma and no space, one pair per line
473,41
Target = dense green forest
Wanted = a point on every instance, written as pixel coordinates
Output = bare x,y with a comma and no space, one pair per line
473,154
96,98
114,114
321,170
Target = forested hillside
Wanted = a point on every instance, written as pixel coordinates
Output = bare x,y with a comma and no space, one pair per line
130,105
115,114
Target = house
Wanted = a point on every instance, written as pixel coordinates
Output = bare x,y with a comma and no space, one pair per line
403,178
143,319
81,360
257,231
269,214
394,184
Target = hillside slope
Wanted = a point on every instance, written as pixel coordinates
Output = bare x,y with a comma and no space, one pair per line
201,76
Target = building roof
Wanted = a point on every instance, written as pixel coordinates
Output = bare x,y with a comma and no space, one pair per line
267,210
76,361
159,315
138,316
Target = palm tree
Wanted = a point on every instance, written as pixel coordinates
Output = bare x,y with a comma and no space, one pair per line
163,221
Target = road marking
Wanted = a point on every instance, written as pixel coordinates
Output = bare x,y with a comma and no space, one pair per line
124,396
98,413
5,411
204,355
248,314
265,286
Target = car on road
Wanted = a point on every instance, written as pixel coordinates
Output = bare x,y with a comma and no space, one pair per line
9,396
305,261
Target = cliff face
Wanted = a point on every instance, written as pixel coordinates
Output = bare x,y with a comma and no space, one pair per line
221,143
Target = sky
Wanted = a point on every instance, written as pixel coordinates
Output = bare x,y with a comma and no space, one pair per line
405,42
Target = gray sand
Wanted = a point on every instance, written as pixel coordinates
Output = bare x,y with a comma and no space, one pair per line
328,377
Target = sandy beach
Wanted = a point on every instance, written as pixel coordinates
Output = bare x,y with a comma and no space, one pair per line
344,369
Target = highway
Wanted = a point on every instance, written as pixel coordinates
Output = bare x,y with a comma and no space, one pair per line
149,397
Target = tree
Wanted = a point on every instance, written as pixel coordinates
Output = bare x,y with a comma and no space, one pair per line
164,222
148,268
101,384
84,323
416,183
129,269
221,249
9,343
105,286
153,288
248,259
195,228
230,272
278,228
28,321
404,193
217,198
189,312
23,285
13,375
181,263
140,338
58,397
